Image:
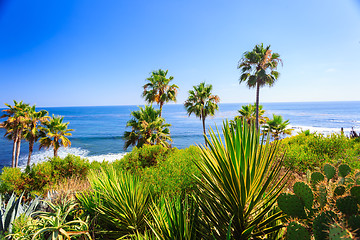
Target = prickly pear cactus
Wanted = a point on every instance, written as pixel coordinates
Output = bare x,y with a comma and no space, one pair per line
355,192
336,232
304,192
339,191
316,177
347,205
354,224
322,195
329,171
296,231
321,224
291,205
344,170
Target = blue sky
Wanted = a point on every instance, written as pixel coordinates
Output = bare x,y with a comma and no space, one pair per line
87,52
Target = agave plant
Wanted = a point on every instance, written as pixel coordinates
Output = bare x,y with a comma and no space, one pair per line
178,220
124,201
240,183
13,209
55,225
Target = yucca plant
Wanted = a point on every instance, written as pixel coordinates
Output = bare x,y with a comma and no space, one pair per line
176,220
240,183
124,201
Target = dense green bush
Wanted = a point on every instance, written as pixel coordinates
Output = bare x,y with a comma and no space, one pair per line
40,177
175,174
310,151
139,158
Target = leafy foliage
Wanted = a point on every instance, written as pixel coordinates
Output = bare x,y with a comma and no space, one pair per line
147,128
158,89
277,126
311,151
240,183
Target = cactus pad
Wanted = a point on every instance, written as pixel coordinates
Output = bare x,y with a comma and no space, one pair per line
339,190
355,192
291,205
322,195
347,205
316,177
338,233
354,224
303,191
344,170
297,232
321,224
329,171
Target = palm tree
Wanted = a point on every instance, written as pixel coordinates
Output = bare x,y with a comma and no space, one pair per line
31,131
56,134
258,69
201,102
248,112
147,128
14,124
277,126
158,89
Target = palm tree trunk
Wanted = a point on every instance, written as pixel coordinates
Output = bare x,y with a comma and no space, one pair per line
203,123
161,106
18,150
257,106
31,148
14,152
55,151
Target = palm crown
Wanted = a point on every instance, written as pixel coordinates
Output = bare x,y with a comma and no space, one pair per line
147,128
56,134
248,112
158,89
201,102
277,126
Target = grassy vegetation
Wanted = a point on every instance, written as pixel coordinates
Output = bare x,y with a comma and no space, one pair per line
307,151
159,193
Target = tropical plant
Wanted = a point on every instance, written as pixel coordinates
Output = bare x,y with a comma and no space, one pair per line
124,201
14,124
31,131
147,128
240,183
56,134
178,220
201,102
158,89
277,126
55,225
13,209
258,68
248,112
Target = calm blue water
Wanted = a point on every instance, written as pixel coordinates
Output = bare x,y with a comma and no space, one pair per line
98,130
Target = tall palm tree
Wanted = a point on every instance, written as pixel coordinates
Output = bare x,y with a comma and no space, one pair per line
56,134
258,69
201,102
31,131
158,89
147,128
277,126
14,124
248,112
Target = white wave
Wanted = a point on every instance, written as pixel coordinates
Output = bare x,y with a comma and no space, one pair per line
322,130
44,155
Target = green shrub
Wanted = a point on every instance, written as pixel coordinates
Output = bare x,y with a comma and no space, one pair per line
11,180
175,174
139,158
70,166
310,151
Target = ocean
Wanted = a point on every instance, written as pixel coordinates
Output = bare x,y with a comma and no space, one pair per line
98,131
